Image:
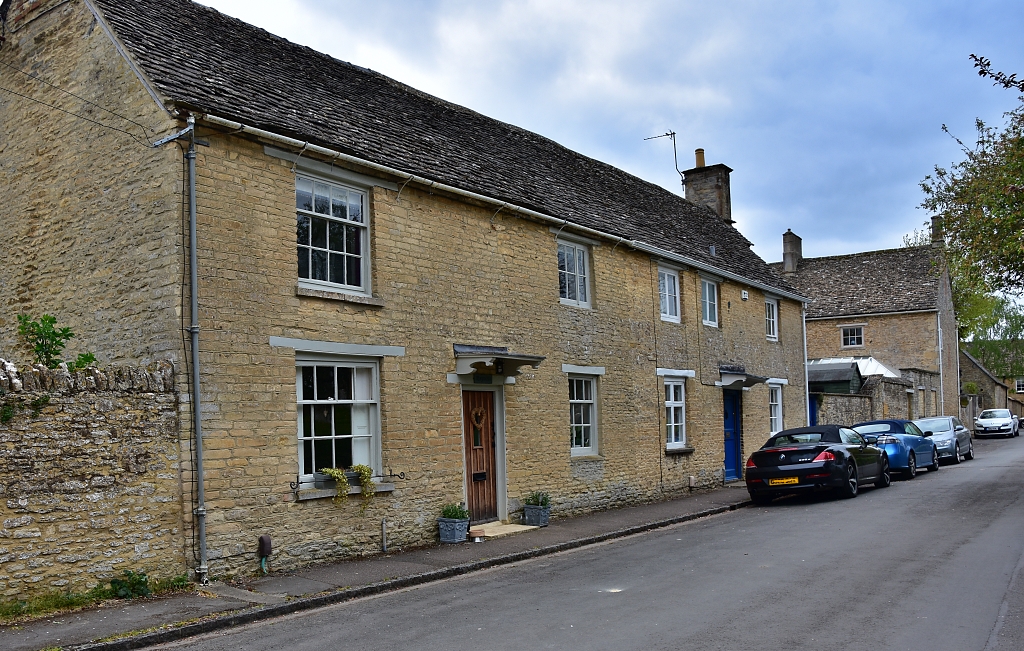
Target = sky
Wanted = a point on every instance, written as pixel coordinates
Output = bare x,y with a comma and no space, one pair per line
829,113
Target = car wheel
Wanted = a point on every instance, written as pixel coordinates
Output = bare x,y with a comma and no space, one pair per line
911,470
849,489
956,453
885,477
760,499
970,452
934,467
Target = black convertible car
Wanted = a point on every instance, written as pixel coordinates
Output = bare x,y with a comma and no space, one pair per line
820,457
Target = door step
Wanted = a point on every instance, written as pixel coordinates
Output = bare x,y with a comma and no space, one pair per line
497,530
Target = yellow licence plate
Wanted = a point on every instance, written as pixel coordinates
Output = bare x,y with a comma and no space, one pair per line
783,481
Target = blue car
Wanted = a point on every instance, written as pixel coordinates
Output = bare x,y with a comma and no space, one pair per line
907,446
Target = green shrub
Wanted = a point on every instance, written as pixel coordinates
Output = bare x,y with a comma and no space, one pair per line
134,584
48,341
454,512
537,498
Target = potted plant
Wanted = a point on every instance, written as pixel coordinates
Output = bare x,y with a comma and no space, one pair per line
536,509
339,478
453,524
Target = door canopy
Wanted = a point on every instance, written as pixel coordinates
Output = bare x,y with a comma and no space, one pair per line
491,360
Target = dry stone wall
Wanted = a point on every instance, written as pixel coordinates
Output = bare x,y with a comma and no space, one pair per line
89,477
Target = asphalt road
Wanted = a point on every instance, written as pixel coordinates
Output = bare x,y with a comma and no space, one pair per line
928,564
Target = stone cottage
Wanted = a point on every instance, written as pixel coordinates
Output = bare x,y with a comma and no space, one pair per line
889,311
381,278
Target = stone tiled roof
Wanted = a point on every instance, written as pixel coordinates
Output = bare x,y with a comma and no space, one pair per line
202,60
891,280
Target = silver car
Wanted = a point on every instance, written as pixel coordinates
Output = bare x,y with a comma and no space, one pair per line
995,422
951,438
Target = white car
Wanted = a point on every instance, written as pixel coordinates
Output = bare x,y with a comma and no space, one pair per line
996,422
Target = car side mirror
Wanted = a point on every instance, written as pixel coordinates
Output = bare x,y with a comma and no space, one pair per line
871,439
928,433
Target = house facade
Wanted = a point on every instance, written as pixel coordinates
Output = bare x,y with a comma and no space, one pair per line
382,278
891,313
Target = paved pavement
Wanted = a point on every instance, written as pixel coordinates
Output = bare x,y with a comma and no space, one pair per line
143,622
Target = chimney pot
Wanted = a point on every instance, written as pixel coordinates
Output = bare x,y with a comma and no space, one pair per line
792,251
699,152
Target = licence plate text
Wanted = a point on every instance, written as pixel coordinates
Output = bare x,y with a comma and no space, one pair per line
783,481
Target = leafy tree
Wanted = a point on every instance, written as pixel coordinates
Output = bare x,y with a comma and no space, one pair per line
981,198
975,306
1001,348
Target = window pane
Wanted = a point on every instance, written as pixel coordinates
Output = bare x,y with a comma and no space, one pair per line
679,393
363,390
308,467
339,198
303,260
361,420
355,207
319,260
338,268
354,271
302,229
336,239
319,233
307,383
342,420
321,420
343,453
307,421
344,383
324,382
353,240
304,194
588,389
563,287
322,198
323,453
361,450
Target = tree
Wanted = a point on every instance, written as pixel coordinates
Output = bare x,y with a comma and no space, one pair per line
1001,348
981,198
975,306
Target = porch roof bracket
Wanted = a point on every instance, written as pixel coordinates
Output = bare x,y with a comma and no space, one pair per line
492,360
737,380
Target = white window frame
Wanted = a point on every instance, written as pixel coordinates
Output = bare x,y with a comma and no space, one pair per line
771,319
858,336
345,222
776,421
369,369
580,410
675,412
1020,385
580,280
709,302
668,292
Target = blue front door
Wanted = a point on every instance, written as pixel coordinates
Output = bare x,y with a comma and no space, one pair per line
733,433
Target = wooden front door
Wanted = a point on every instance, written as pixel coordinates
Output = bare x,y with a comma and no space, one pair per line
478,429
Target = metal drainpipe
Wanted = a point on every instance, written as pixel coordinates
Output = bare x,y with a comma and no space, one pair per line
202,572
807,386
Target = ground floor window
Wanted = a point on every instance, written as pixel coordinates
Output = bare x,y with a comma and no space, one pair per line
675,413
583,415
775,408
338,414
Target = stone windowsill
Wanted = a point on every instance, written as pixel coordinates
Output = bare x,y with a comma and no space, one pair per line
339,296
320,493
676,451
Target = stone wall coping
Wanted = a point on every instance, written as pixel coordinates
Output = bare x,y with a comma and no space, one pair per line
157,377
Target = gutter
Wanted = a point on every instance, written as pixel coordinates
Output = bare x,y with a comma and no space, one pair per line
843,317
502,205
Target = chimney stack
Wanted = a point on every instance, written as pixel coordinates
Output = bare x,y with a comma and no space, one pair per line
792,251
708,185
938,237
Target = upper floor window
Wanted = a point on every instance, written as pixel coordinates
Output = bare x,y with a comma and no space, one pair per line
853,336
338,415
1020,385
668,288
771,319
331,235
583,415
709,302
572,274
